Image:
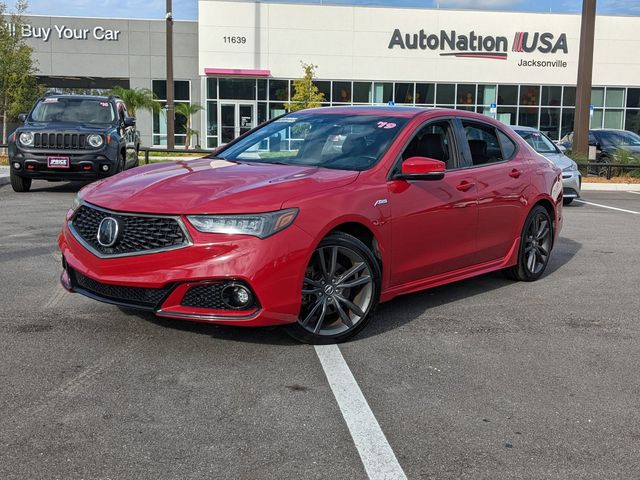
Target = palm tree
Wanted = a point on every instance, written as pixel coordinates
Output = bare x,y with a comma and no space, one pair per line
137,99
186,110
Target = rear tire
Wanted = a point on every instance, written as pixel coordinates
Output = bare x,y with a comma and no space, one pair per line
536,242
18,183
340,292
567,201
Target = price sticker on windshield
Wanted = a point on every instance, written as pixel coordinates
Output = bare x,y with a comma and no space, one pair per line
386,125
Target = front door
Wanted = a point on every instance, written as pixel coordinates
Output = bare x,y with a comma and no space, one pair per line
434,222
236,118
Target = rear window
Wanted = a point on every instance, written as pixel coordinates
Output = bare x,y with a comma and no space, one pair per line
80,110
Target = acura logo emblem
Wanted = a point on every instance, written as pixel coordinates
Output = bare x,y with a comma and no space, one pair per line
108,232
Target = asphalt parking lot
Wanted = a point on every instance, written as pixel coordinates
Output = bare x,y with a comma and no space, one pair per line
485,378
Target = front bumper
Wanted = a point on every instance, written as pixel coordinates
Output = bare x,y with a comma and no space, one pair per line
273,269
83,166
571,184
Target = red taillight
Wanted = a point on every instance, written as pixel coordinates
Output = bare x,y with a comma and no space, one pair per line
108,139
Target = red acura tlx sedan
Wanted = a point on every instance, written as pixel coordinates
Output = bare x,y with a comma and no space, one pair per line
312,219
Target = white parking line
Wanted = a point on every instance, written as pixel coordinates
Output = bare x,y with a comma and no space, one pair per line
607,206
632,191
375,452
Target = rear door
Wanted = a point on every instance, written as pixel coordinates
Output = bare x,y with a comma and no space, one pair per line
434,222
502,177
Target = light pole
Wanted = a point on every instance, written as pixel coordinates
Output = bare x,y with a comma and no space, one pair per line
583,85
170,99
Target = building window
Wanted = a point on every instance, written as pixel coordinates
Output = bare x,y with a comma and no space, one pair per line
382,92
404,93
445,94
362,92
341,92
237,88
425,93
466,94
181,89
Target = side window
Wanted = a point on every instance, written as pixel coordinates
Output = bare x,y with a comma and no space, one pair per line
432,141
508,146
483,143
592,139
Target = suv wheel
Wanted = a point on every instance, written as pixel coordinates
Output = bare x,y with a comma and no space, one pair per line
18,183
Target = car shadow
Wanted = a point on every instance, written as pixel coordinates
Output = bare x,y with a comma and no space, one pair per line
407,308
389,316
56,187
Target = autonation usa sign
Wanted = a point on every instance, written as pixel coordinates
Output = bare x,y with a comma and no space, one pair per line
62,32
451,43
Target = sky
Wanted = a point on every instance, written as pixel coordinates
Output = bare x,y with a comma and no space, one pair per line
188,9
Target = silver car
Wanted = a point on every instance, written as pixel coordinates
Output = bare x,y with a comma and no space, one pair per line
571,178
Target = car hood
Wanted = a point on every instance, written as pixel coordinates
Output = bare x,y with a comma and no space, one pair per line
211,186
64,127
559,159
631,150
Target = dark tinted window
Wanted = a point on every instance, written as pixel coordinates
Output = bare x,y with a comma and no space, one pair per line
508,146
432,141
483,143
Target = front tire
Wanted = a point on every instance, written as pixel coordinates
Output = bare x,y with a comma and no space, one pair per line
340,292
567,201
18,183
536,242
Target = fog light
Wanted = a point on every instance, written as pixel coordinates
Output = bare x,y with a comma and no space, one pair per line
17,165
236,296
105,168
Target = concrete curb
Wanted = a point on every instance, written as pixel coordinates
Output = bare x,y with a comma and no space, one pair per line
612,187
4,181
4,176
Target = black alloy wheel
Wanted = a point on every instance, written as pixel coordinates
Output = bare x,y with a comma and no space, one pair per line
340,291
536,243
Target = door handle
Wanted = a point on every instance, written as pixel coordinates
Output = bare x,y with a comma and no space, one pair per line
515,173
464,186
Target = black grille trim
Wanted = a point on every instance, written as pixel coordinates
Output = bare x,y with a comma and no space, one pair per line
209,296
141,297
60,141
141,233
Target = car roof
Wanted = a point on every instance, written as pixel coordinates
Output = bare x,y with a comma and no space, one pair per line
86,97
522,128
382,110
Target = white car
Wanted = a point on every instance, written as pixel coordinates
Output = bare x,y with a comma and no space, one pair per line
571,177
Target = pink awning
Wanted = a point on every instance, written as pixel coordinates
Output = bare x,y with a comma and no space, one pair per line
237,72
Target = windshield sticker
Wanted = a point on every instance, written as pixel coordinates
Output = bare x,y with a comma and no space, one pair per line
287,120
386,125
51,100
104,104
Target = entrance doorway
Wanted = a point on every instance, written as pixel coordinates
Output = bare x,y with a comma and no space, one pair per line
236,118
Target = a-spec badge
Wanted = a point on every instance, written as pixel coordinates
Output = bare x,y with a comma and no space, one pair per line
382,201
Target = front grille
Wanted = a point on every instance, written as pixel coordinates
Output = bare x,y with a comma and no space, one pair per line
60,141
138,296
209,296
140,233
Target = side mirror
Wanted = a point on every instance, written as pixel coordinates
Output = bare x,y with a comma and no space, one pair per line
130,122
422,168
22,117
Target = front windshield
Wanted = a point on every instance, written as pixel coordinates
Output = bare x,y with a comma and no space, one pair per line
538,141
340,141
620,138
82,110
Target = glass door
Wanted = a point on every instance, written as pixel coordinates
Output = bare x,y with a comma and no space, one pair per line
236,118
228,121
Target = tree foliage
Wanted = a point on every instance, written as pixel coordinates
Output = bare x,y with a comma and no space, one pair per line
137,99
187,110
18,85
306,93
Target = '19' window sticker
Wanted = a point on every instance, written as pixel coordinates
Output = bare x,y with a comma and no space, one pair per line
386,125
104,104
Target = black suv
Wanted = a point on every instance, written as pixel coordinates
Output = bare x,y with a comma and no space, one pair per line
72,137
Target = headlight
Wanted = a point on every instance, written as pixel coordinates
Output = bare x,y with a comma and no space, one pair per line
571,168
76,202
26,139
95,140
259,225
